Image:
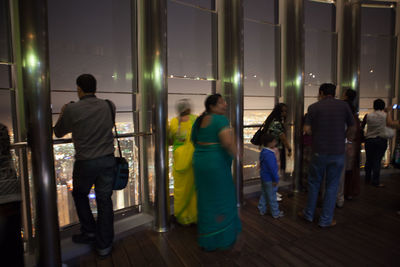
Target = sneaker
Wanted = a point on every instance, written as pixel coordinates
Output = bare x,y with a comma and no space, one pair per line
333,223
84,238
280,215
301,215
279,199
103,253
278,195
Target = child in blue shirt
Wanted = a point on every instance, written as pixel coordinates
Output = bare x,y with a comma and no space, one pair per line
269,176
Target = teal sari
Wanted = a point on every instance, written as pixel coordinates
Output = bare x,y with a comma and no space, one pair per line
218,222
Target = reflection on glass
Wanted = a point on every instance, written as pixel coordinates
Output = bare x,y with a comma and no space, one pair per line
318,15
259,59
64,162
90,37
5,76
5,109
319,65
377,65
5,36
370,17
189,41
260,10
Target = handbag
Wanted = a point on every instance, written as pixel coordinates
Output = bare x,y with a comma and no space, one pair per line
121,168
256,140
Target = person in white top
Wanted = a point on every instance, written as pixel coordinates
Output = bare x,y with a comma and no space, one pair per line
375,142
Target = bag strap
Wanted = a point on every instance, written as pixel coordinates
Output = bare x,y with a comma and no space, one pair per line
115,126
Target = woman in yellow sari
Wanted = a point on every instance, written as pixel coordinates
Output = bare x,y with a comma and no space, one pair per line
185,201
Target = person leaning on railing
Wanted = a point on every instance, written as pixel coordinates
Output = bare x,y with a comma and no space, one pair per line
395,124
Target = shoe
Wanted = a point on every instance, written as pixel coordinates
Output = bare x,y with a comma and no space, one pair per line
278,195
103,253
301,215
379,185
279,199
84,238
333,223
280,215
339,206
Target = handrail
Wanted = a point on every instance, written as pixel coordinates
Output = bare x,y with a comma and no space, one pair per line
69,140
125,135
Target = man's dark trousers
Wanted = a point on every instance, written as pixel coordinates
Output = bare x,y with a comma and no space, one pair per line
100,172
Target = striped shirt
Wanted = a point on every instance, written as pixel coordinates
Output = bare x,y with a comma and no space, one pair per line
328,119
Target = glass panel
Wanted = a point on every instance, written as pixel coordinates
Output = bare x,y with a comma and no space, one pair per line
5,35
5,76
63,164
308,101
319,63
377,65
254,117
5,109
319,15
200,3
94,38
311,90
262,10
377,20
123,102
259,59
189,86
251,103
251,170
189,42
197,104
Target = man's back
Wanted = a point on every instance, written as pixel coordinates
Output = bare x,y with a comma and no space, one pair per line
328,119
91,124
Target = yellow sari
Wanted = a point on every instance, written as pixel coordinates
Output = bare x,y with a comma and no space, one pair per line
185,200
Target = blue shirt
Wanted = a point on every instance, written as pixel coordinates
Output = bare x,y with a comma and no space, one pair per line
268,166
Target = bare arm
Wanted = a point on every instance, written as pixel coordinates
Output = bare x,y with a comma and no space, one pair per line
390,122
286,143
351,133
307,129
227,138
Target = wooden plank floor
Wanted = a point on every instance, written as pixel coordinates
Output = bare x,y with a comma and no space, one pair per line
367,234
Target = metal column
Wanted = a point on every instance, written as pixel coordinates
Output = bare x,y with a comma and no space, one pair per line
36,81
292,20
152,56
230,75
348,21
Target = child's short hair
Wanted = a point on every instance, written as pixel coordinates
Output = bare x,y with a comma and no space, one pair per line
266,139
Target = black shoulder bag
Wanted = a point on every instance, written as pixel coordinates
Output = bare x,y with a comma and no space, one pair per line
256,140
121,171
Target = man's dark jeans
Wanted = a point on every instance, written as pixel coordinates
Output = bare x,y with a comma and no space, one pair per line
100,172
375,150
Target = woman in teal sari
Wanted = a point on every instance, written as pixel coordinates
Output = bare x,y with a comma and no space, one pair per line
218,222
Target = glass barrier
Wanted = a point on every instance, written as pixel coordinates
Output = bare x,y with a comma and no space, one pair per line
63,165
190,47
377,66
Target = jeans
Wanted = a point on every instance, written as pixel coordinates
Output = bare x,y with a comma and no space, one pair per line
331,166
268,196
375,150
100,172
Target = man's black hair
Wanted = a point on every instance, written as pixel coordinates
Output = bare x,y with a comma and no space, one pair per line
327,89
87,82
379,104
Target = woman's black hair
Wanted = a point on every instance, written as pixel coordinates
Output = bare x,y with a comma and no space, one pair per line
211,100
276,114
